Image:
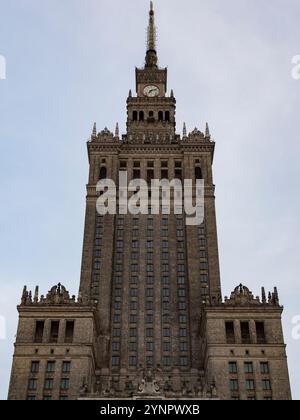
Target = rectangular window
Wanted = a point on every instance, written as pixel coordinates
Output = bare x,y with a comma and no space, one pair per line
182,319
180,233
260,333
182,293
115,361
133,319
135,244
183,347
182,306
31,398
250,385
133,332
165,244
167,347
230,335
167,361
116,332
63,398
117,319
266,385
245,332
35,366
183,361
202,243
66,367
132,361
69,336
47,398
165,281
149,306
39,331
204,278
149,332
134,292
149,319
204,266
65,383
116,346
234,385
150,292
150,244
32,384
150,346
133,306
233,368
248,367
167,332
132,346
150,280
183,332
166,292
150,268
54,331
49,384
264,368
50,367
119,244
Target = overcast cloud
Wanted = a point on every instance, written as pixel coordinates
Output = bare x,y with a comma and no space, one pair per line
71,62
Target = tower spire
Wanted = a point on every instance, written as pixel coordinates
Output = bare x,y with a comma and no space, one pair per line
151,57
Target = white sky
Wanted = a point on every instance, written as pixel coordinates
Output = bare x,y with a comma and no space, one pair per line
71,62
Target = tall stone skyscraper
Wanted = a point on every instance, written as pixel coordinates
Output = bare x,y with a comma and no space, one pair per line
150,320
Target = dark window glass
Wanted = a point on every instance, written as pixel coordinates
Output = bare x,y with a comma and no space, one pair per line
230,335
69,337
260,333
245,332
233,367
39,331
35,367
54,331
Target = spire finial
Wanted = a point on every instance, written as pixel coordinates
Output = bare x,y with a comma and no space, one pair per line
207,131
184,130
151,57
94,133
117,131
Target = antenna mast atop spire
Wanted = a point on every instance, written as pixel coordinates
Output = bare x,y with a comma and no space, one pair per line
151,57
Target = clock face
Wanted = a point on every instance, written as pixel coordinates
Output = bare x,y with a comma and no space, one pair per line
151,91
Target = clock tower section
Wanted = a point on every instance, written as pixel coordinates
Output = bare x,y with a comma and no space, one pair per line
151,113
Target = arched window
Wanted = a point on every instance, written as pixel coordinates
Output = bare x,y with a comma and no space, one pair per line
135,116
103,172
167,117
198,173
141,116
160,116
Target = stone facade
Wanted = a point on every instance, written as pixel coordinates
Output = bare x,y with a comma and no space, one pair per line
150,320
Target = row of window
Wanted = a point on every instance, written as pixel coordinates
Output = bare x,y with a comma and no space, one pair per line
149,319
249,368
54,331
149,305
150,346
49,384
50,367
166,361
250,385
245,332
133,332
47,398
141,116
